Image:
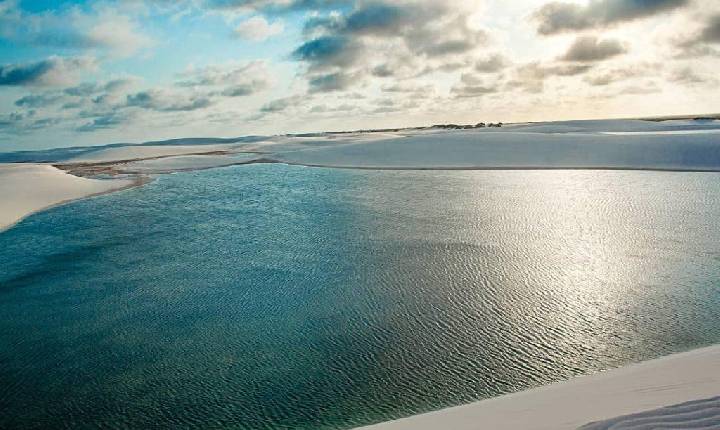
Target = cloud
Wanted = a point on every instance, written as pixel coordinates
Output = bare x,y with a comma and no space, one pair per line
53,71
23,122
382,39
343,108
472,85
102,27
258,29
11,120
110,120
689,76
624,73
491,64
469,91
25,74
700,43
234,80
648,88
238,91
326,51
119,34
89,88
406,88
331,82
382,71
279,105
530,77
558,17
275,6
424,27
711,32
373,18
34,101
165,101
588,49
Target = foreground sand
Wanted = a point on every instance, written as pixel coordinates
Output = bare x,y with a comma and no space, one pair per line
28,188
598,401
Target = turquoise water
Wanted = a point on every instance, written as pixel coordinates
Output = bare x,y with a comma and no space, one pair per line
278,297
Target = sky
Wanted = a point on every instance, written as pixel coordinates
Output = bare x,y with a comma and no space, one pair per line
95,72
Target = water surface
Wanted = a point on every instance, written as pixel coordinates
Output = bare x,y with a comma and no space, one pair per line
279,297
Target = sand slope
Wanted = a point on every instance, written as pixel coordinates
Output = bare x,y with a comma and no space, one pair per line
27,188
136,152
698,414
647,386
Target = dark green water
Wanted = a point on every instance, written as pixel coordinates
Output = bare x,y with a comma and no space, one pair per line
276,297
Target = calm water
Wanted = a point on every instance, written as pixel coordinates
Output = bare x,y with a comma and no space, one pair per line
276,297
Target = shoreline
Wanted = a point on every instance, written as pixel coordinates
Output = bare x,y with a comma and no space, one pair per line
81,171
596,401
491,168
47,196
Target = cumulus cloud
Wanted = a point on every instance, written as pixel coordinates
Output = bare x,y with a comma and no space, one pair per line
407,88
101,28
330,82
327,51
34,101
588,49
382,71
702,42
106,121
280,105
166,101
343,108
238,90
609,76
711,31
531,77
689,76
53,71
119,34
90,88
367,56
385,39
557,17
472,86
233,80
18,123
258,29
491,64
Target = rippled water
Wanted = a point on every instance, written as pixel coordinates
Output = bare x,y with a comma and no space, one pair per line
277,297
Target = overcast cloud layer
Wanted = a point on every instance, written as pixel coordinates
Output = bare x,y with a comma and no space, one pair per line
134,70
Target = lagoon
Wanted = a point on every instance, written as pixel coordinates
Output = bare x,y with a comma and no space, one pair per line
273,297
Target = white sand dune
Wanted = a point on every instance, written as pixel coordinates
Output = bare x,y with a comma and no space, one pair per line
679,378
478,149
597,144
27,188
601,144
183,163
137,152
698,414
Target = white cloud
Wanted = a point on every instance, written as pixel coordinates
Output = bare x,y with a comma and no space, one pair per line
120,34
258,29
